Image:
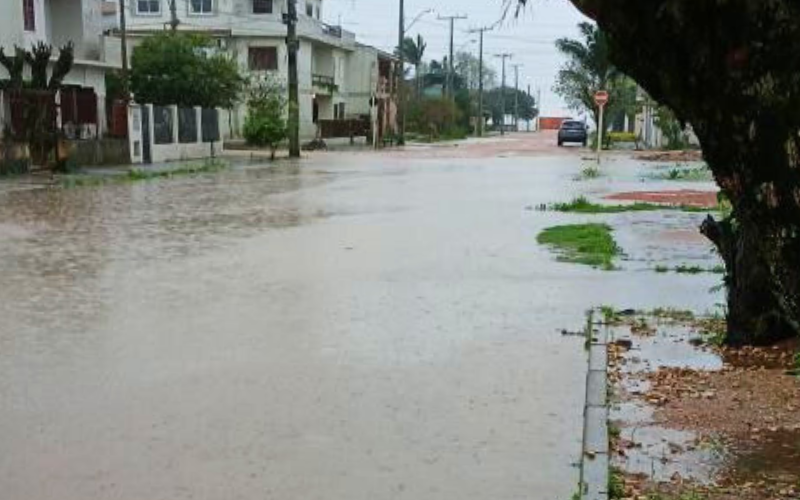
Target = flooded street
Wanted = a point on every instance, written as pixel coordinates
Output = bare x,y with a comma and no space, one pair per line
358,326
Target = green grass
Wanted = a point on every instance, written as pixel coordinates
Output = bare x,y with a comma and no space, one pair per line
616,485
581,205
589,172
142,174
686,269
138,174
697,174
589,244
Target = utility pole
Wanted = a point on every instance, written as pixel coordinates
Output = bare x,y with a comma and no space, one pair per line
173,13
451,67
290,18
503,56
480,79
401,76
516,96
123,36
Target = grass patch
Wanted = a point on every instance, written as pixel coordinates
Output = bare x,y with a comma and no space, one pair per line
686,269
589,244
616,484
138,174
581,205
697,174
589,172
142,174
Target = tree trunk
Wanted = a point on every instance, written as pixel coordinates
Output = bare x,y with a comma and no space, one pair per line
756,315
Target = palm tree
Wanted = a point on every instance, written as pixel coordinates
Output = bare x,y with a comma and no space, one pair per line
414,52
589,69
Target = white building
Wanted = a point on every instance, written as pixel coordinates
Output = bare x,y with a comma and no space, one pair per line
56,22
338,77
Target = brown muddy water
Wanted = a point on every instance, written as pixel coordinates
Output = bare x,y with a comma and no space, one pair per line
354,327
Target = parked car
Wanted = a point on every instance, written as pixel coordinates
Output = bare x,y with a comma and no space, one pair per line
572,131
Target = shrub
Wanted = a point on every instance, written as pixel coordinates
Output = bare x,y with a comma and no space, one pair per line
265,125
434,117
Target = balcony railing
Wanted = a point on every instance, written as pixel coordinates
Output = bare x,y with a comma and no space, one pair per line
324,81
330,30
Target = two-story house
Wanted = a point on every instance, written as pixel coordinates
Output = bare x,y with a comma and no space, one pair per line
338,77
56,22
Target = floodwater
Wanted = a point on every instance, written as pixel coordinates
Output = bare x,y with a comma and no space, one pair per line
357,326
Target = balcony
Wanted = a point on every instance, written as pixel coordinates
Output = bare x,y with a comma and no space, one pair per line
326,84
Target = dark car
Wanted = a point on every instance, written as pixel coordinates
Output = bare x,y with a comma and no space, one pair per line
572,131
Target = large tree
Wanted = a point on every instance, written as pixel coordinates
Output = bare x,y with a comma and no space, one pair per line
183,69
731,70
468,67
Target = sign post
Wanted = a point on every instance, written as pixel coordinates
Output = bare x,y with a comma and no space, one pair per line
601,99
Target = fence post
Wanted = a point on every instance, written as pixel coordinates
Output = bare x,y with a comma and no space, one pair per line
198,120
173,109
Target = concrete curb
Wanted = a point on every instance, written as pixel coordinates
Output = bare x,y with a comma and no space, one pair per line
595,459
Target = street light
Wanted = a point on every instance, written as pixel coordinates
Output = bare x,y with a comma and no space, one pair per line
416,19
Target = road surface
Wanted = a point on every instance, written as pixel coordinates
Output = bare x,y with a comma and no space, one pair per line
358,326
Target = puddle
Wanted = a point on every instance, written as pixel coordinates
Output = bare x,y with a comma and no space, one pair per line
662,453
667,348
645,447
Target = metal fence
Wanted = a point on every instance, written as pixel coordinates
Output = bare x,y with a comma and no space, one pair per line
187,125
163,125
210,125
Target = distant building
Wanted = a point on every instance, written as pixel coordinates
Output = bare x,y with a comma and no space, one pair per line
339,78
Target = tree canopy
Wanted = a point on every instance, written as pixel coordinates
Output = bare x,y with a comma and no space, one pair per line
588,70
495,97
182,69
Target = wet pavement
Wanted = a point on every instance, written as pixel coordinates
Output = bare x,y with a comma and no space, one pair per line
355,326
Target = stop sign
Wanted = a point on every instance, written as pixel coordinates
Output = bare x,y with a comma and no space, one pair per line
601,98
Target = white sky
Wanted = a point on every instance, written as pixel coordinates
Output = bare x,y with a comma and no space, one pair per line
530,38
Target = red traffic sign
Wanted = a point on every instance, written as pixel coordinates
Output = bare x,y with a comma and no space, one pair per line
601,98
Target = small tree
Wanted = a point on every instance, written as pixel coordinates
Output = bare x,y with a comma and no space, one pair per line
182,69
672,129
265,125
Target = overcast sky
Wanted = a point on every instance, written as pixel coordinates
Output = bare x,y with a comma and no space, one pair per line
530,38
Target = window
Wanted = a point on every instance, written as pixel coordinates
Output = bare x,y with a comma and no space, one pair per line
339,111
263,58
148,6
262,6
29,13
202,6
310,9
